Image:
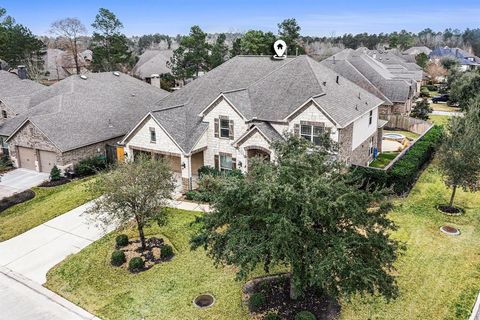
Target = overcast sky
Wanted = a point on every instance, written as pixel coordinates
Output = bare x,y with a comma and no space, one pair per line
317,18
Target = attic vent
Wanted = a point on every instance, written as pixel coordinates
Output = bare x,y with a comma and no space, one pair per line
84,77
116,73
338,77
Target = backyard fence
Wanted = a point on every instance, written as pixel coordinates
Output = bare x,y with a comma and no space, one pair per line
399,122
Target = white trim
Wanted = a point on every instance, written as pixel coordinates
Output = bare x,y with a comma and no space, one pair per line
221,95
311,99
196,142
363,115
134,128
243,136
161,127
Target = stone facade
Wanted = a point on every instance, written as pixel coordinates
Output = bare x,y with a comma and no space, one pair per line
29,136
360,155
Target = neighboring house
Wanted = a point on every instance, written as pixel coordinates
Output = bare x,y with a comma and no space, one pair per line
466,60
414,51
235,111
152,64
59,64
77,118
393,87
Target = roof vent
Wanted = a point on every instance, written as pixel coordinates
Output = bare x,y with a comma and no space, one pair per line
84,77
356,107
338,78
359,96
116,73
110,124
324,83
133,94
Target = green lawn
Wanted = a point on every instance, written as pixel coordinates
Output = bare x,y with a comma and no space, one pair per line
438,275
444,107
47,204
439,120
407,134
163,292
383,159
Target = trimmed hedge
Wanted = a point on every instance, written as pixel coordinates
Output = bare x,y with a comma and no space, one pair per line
118,258
17,198
90,166
402,175
121,240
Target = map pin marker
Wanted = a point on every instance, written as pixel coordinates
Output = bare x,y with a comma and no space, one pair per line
280,47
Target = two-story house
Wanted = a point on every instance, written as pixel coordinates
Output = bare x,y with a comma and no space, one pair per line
235,111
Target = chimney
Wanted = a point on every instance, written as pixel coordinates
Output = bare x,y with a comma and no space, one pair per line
155,80
22,72
333,59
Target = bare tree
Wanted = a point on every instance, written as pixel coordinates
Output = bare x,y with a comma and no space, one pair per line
436,71
70,29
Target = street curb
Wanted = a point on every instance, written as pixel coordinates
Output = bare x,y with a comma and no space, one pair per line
48,294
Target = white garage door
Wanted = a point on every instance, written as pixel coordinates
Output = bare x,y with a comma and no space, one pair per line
27,158
47,160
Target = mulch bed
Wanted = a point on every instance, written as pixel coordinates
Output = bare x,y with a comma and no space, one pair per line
277,293
54,183
151,256
17,198
451,211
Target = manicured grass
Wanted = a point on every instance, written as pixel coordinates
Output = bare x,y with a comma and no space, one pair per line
444,107
438,275
439,120
164,292
407,134
47,204
383,159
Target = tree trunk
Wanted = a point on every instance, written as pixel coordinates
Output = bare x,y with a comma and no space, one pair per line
75,55
453,196
142,237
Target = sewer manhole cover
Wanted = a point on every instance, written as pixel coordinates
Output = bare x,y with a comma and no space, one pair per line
450,230
204,301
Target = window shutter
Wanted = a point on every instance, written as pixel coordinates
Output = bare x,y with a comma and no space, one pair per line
234,164
216,127
296,129
230,129
216,159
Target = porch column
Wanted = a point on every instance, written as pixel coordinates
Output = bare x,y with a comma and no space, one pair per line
186,167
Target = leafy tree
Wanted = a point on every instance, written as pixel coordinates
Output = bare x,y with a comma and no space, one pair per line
70,29
257,42
17,43
219,52
449,63
421,110
304,212
459,154
167,81
465,88
289,31
192,56
422,60
137,191
110,47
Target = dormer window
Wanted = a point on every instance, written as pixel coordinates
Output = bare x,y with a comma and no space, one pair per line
153,135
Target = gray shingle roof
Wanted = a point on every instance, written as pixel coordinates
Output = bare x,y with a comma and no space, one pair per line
14,91
152,62
394,87
75,112
261,88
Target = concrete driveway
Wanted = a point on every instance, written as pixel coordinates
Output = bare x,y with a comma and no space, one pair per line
19,180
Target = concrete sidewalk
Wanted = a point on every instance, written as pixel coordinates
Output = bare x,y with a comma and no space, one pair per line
19,180
21,298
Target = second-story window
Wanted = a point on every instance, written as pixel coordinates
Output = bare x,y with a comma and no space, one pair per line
312,131
223,128
153,135
370,117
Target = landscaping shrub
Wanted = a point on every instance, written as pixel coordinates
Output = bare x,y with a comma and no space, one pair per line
432,87
136,264
118,258
121,240
257,301
207,171
5,164
272,316
424,93
305,315
166,251
90,166
404,172
55,174
17,198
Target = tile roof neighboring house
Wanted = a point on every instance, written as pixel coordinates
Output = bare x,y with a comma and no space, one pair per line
463,57
262,90
417,50
76,112
15,91
152,62
371,75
